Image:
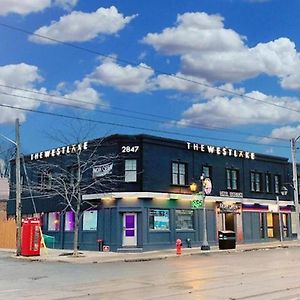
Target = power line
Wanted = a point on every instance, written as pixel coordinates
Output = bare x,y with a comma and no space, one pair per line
132,126
190,124
155,70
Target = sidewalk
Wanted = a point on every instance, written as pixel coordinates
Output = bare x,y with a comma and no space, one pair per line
59,255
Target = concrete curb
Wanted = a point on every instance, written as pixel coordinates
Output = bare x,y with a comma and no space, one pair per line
87,257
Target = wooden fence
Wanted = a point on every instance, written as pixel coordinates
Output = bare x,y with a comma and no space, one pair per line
8,234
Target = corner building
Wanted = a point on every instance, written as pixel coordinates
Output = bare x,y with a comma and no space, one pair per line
151,206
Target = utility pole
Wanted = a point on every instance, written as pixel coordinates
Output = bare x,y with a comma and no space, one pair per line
295,185
18,190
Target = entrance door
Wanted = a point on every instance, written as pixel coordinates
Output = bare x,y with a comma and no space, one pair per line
129,229
229,221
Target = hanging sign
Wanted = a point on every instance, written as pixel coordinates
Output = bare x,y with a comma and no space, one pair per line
102,170
207,186
197,202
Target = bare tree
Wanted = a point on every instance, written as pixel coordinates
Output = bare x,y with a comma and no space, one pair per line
69,176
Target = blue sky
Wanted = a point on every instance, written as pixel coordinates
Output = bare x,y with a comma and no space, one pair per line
221,72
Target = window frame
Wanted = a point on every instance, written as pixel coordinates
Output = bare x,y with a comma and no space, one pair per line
94,211
192,214
209,168
129,172
255,182
56,220
268,183
150,223
179,175
230,180
277,183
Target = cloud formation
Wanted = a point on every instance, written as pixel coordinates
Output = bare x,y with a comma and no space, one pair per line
210,51
23,7
80,26
129,78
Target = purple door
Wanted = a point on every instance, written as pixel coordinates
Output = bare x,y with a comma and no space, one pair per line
129,229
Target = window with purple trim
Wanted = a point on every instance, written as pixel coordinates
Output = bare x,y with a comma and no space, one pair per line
69,221
53,221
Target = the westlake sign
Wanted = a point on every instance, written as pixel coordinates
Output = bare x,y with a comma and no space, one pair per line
60,151
224,151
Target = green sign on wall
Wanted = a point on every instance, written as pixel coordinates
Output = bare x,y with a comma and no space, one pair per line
197,202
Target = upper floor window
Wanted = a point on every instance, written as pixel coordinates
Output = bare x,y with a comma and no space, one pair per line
73,175
206,171
277,184
255,182
178,173
232,179
268,183
130,170
45,180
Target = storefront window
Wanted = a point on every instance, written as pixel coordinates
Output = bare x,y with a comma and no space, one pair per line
159,219
285,225
184,219
270,225
89,220
69,221
262,225
53,221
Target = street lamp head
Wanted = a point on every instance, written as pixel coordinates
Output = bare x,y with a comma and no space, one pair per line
193,187
283,190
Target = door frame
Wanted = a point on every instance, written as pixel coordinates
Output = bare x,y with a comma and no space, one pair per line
129,241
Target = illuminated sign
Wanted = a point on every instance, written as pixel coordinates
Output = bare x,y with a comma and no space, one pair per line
231,194
224,151
75,148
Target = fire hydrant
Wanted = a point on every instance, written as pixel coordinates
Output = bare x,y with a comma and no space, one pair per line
178,246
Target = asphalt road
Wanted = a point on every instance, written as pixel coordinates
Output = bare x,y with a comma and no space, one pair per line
262,274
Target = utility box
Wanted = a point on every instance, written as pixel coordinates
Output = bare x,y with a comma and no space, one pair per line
31,237
226,239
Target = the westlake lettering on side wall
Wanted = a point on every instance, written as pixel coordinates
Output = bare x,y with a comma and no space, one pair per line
60,151
224,151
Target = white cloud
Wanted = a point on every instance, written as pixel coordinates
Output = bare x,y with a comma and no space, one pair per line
235,111
285,132
80,26
195,32
209,51
22,76
23,7
82,96
26,77
128,78
66,4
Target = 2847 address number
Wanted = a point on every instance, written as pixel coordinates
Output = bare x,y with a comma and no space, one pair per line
128,149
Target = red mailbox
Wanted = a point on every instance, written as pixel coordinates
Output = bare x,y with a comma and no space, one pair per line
31,237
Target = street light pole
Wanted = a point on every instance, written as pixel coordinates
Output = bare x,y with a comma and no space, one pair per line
18,190
295,184
205,245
